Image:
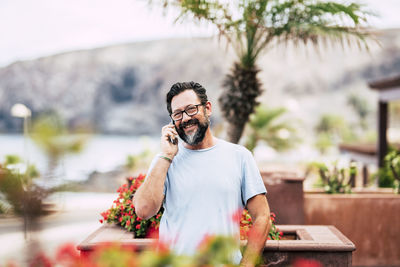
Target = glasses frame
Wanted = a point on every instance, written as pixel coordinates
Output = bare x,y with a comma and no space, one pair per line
185,110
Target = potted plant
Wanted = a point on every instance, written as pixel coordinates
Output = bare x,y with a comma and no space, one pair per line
354,211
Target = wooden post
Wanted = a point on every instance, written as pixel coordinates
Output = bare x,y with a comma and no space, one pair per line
365,175
382,131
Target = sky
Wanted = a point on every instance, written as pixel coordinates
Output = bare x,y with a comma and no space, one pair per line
31,29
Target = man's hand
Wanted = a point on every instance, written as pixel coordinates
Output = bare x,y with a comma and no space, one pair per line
169,149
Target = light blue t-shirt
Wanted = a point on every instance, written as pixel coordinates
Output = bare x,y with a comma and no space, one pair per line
203,190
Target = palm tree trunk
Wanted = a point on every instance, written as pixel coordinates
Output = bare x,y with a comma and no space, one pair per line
235,131
238,100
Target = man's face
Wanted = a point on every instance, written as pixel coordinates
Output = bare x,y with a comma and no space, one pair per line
190,129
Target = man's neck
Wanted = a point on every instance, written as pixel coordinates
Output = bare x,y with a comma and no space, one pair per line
208,141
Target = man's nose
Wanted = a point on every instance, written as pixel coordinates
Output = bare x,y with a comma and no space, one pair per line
185,117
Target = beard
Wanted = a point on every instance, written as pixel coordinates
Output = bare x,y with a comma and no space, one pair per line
196,136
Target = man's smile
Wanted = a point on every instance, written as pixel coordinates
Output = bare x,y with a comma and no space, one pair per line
190,127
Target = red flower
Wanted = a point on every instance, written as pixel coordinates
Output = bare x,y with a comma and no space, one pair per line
152,233
101,221
122,211
41,260
67,253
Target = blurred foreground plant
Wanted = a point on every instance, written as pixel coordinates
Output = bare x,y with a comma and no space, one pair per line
335,180
19,191
213,251
20,195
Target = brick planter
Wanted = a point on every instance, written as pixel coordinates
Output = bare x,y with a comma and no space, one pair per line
323,243
285,196
370,220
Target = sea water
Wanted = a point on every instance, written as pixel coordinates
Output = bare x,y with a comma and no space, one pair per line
101,153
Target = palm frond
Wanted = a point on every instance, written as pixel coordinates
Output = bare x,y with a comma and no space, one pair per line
251,25
264,116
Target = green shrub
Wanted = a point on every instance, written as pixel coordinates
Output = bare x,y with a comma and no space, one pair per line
389,174
335,180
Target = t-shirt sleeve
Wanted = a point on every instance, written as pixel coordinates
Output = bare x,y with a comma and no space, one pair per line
152,164
252,183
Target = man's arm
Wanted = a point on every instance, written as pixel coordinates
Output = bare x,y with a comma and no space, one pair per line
148,198
259,212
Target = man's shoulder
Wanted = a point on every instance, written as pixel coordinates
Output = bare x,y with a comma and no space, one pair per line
233,147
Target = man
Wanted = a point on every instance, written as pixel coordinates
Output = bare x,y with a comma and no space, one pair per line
203,181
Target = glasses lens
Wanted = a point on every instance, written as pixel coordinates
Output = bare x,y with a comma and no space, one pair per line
191,110
176,116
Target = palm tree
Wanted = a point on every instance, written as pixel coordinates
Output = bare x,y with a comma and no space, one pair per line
252,26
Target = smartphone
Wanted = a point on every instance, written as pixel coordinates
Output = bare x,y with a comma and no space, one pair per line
173,141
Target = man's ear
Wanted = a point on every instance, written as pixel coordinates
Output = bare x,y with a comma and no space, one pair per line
208,107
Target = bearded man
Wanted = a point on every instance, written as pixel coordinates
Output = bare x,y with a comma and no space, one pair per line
201,181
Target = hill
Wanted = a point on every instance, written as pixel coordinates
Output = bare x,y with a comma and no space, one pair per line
121,89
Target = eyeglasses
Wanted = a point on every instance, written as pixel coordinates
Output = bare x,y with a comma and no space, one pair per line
190,110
